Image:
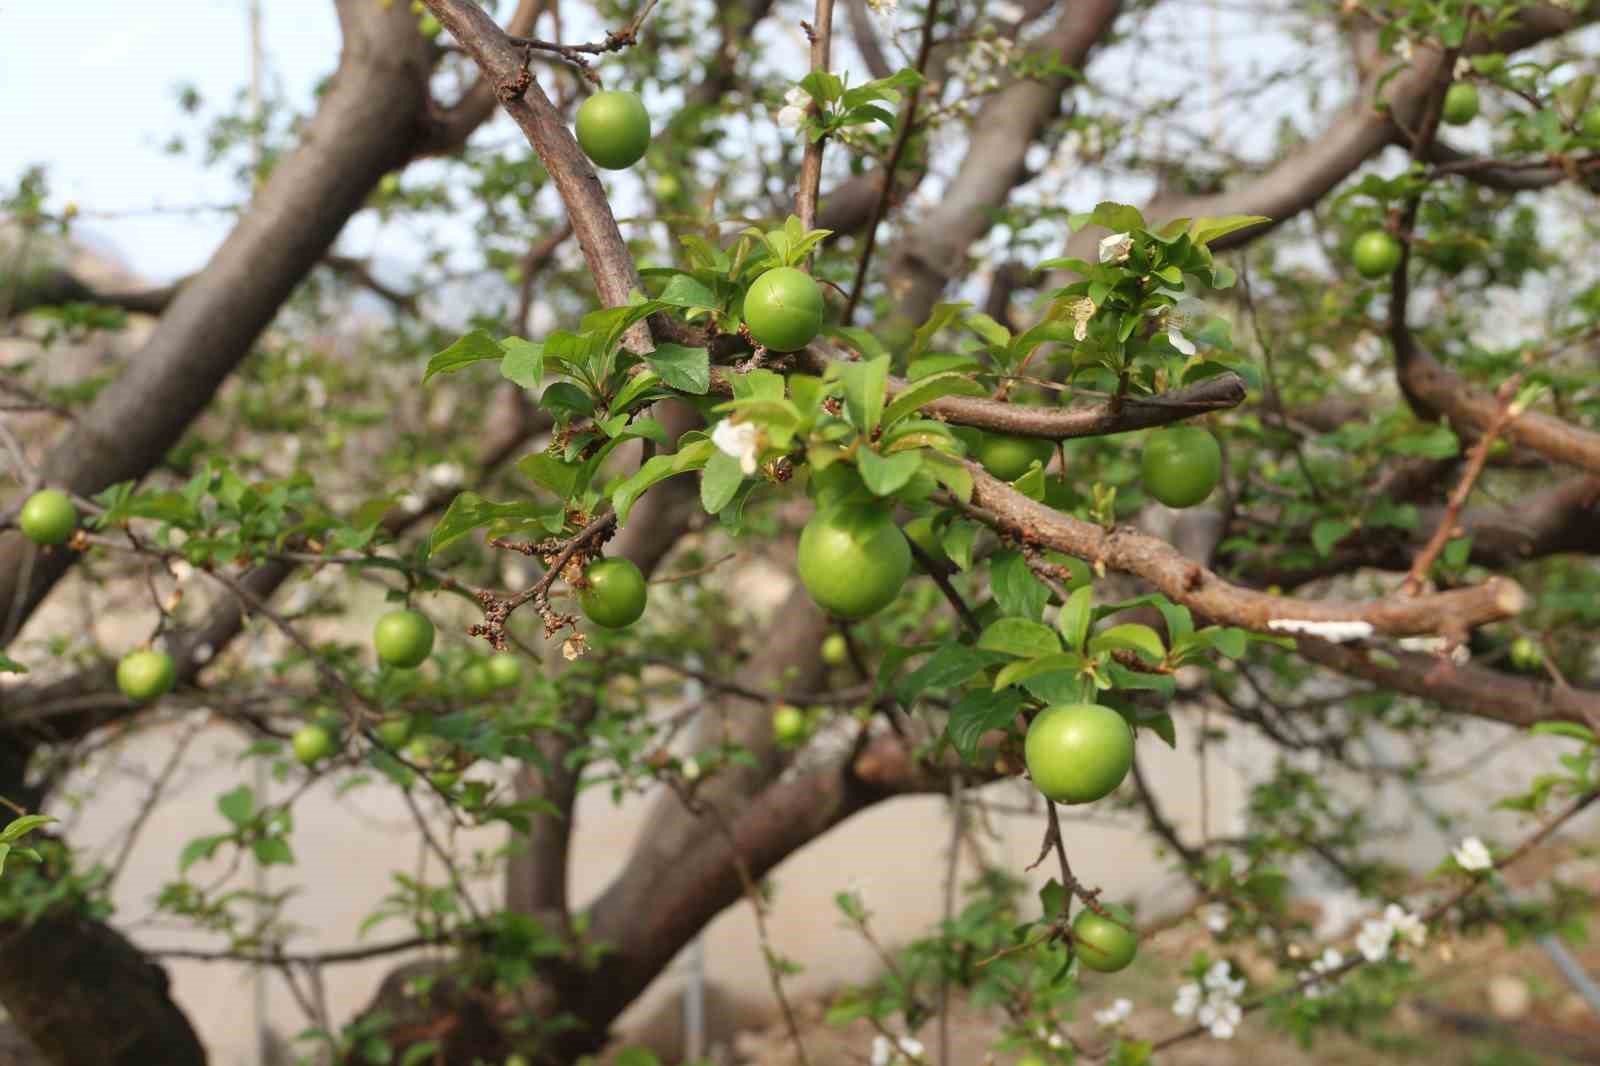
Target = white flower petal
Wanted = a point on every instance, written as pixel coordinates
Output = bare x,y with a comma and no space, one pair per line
1116,248
1472,855
1176,338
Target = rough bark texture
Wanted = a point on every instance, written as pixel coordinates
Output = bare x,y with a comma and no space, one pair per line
364,127
85,996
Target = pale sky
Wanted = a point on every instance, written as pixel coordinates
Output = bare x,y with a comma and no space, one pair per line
89,88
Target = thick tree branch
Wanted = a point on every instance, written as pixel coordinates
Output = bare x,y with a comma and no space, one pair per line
1186,581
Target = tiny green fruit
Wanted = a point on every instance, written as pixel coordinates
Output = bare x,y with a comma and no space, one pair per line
48,517
505,669
1181,465
1008,458
788,725
444,780
146,675
613,129
1078,752
394,732
429,26
403,638
783,309
478,681
853,559
1461,103
1375,254
614,593
835,650
311,744
1525,654
1102,943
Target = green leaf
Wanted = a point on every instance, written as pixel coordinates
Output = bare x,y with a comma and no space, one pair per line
1074,618
1119,218
885,475
1141,640
865,384
469,511
952,475
1015,588
1436,443
548,472
475,347
1327,532
957,541
1230,641
272,851
197,849
22,825
992,332
926,390
951,664
683,290
978,712
1020,637
1069,663
523,362
720,481
941,316
1563,729
685,369
1205,230
658,468
238,806
8,665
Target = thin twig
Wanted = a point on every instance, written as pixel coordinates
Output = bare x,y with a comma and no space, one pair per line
820,30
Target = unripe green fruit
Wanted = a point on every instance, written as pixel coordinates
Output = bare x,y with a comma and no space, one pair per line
613,129
1525,654
393,732
788,724
444,780
477,680
1078,752
1181,465
614,596
835,650
853,559
1375,254
505,669
1461,104
311,744
48,517
403,638
1008,458
783,309
146,675
1105,944
429,26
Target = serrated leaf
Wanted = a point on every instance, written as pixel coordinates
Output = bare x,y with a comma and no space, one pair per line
942,315
685,369
197,849
720,481
1131,636
886,474
469,511
684,290
523,362
978,712
475,347
957,541
548,472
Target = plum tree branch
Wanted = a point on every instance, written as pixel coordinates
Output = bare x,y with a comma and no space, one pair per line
820,31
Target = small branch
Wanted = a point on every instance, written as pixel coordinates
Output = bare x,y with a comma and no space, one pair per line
908,120
820,30
1476,458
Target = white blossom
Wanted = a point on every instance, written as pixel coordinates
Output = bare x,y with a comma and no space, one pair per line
1373,940
1007,11
691,768
1472,856
203,653
1188,1000
1326,963
1220,980
446,475
902,1050
1221,1017
1176,338
1113,1015
1116,248
1216,918
1404,49
740,440
793,113
1338,632
411,503
1407,926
